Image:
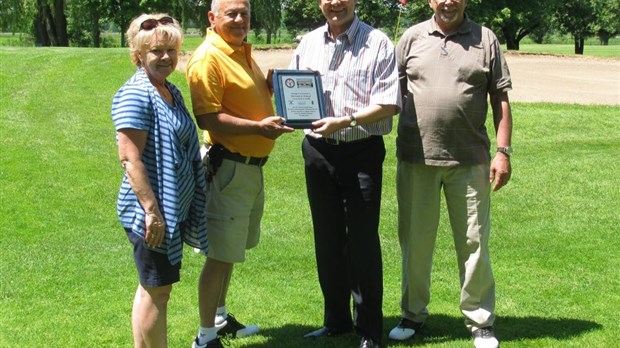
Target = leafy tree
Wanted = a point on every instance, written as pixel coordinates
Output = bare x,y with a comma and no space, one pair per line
185,11
121,12
15,16
85,20
414,12
269,14
305,15
379,13
607,22
50,23
301,15
512,20
575,17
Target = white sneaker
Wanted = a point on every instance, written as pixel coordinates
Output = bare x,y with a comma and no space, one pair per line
232,327
200,251
405,330
485,338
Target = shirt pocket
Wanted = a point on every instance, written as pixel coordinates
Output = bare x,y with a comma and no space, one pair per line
473,68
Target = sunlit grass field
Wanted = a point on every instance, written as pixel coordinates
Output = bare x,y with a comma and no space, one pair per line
193,40
67,276
611,51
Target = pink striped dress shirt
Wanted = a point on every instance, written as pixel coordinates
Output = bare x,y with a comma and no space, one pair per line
357,69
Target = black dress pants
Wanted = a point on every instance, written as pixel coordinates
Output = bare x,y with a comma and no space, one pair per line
344,191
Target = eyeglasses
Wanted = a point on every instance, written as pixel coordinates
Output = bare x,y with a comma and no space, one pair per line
444,1
152,23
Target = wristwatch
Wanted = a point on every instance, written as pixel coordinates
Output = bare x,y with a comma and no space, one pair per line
506,150
353,121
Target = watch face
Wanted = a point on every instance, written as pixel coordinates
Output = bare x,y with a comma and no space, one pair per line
507,150
353,121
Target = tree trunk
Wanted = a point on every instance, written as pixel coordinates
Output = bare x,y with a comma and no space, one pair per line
51,26
48,22
511,40
60,23
123,30
579,43
40,32
603,38
96,36
96,29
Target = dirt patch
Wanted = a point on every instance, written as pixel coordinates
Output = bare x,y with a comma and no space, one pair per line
535,78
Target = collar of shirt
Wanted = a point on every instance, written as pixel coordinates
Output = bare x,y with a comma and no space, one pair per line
348,35
219,43
464,28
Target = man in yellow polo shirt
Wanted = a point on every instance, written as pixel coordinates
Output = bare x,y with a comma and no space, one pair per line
232,102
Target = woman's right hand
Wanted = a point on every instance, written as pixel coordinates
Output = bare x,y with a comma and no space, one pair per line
155,229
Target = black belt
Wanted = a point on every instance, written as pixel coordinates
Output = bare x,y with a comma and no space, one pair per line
331,141
255,161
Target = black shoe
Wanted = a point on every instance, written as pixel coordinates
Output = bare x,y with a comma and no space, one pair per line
368,343
214,343
233,328
326,331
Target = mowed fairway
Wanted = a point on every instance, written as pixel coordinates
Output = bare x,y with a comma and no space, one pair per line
67,277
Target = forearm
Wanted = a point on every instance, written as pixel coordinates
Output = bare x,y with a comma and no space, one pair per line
140,184
502,118
374,113
225,124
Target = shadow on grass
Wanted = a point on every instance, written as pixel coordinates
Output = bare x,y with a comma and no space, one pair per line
442,328
439,328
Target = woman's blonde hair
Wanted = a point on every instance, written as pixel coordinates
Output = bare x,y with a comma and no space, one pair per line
140,39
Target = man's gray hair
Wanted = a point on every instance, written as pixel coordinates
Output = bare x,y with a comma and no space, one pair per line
215,6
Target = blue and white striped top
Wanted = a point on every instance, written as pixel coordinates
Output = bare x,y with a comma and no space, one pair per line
357,69
172,159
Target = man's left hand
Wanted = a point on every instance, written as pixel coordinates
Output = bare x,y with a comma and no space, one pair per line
329,125
500,171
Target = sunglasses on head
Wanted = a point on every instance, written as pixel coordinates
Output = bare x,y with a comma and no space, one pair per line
151,23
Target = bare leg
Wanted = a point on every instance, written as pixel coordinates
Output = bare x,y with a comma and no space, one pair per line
224,292
149,316
138,341
212,289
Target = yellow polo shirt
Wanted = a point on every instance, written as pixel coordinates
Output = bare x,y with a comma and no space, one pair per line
226,79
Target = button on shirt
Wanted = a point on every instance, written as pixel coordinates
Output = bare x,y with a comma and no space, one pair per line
357,69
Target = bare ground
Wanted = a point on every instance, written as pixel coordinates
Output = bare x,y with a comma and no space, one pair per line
535,78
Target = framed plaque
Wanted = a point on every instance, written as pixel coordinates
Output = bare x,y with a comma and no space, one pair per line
299,97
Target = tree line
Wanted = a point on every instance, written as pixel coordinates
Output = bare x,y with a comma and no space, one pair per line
81,22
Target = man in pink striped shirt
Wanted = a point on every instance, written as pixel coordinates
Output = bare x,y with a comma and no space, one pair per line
343,155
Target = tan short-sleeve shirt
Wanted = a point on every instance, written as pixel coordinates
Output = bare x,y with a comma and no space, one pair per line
446,81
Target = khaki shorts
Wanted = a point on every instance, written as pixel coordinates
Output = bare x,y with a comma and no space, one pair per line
235,203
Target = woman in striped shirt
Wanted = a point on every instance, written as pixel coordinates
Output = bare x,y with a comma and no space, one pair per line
162,195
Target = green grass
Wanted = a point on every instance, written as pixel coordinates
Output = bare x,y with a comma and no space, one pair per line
67,277
569,50
113,40
193,40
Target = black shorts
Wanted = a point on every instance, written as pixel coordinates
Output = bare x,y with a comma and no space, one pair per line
154,269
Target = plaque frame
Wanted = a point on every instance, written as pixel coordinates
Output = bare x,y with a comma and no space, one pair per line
299,97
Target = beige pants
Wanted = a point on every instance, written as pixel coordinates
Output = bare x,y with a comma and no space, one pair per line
467,194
